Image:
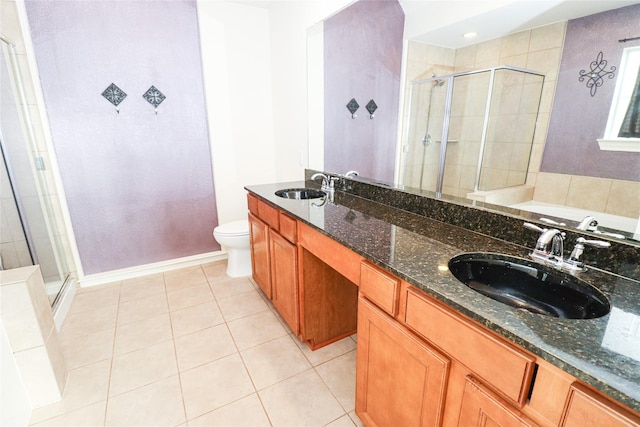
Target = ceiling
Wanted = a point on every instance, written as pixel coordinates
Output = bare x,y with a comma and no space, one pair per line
443,22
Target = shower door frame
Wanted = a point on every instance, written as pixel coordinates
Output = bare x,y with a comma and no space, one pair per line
62,266
450,78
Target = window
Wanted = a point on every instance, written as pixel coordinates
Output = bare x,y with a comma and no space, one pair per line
624,93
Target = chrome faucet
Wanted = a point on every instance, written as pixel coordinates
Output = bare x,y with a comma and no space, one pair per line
574,263
351,174
328,182
554,254
549,246
589,223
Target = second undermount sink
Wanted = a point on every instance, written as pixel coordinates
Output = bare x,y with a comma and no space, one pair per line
525,284
300,193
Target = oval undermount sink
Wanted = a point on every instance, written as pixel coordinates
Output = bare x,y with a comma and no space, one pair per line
300,193
525,284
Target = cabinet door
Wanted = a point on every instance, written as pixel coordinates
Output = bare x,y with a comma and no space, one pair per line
481,408
284,279
400,381
586,409
260,264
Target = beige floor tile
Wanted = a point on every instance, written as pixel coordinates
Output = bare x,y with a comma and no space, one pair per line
343,421
339,375
85,386
88,416
328,352
157,404
89,322
195,318
142,287
204,346
142,308
142,367
242,305
256,329
227,287
142,333
187,297
89,301
184,278
246,412
356,420
274,361
215,271
80,350
211,386
301,400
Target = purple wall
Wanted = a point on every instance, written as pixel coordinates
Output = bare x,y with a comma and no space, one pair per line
363,60
578,119
139,186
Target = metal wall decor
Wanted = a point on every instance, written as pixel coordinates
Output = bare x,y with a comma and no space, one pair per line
353,106
595,75
114,95
371,108
154,97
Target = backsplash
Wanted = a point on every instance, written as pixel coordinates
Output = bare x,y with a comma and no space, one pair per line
621,259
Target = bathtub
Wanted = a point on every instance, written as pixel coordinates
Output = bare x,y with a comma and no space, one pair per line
616,222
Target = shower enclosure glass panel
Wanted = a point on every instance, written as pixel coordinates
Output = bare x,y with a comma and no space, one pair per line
486,119
28,235
511,126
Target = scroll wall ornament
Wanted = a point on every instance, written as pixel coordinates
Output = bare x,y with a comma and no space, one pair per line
114,95
154,97
595,75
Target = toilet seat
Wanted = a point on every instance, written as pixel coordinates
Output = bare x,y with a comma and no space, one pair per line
234,228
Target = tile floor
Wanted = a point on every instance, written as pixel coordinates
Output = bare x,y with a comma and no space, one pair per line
193,347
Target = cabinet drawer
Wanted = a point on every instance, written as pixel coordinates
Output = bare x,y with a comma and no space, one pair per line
268,214
380,287
332,253
252,203
474,347
288,228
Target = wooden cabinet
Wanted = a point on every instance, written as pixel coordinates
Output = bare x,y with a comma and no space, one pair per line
274,259
260,258
586,408
401,381
284,279
480,407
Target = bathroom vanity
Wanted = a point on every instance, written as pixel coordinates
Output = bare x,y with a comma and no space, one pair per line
432,351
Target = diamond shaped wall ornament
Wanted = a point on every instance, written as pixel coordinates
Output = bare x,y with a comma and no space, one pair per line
154,97
371,108
353,106
114,95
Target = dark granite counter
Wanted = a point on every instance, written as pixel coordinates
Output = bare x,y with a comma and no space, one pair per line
603,352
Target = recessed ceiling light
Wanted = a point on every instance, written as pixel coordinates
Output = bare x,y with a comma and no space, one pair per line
469,35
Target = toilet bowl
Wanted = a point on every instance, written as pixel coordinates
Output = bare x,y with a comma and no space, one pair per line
234,237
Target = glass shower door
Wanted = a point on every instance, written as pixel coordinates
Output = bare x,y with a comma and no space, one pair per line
29,234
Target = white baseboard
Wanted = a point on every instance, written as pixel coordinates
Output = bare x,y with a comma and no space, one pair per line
144,270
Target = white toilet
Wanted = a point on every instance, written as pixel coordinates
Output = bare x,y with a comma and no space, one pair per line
234,237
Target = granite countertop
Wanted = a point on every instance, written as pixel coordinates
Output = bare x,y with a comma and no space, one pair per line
602,352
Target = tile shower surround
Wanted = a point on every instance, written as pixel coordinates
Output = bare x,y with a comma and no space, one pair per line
621,259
